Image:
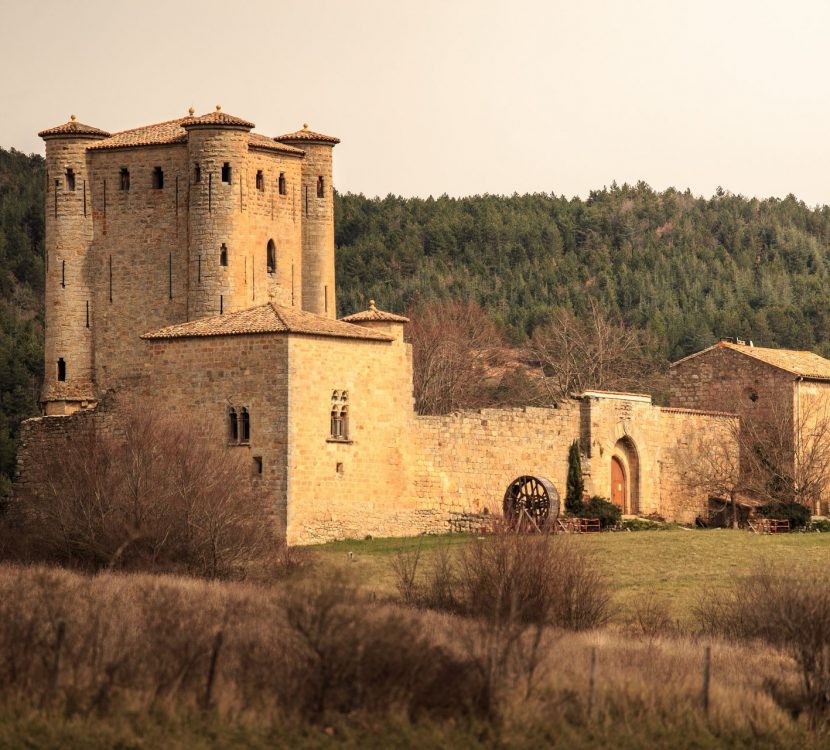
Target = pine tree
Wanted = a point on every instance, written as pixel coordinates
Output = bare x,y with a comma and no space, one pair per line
575,487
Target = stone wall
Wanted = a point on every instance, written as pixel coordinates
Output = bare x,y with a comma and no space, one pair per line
360,485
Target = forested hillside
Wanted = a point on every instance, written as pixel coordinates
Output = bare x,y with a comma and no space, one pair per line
685,270
21,297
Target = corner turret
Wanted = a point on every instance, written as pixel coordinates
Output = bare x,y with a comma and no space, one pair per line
319,295
68,383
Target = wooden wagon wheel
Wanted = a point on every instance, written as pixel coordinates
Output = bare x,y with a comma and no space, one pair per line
531,502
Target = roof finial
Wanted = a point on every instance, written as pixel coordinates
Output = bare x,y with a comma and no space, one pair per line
191,111
372,305
305,126
73,118
218,107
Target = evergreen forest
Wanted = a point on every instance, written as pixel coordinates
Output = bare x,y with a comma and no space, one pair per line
684,270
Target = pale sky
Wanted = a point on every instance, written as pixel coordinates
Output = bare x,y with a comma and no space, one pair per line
454,97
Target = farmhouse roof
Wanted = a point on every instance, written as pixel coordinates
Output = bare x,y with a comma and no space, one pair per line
800,363
267,318
373,314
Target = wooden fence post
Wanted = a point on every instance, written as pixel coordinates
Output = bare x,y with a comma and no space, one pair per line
211,678
707,675
592,681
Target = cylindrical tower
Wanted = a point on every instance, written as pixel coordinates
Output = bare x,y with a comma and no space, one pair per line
68,382
221,275
317,210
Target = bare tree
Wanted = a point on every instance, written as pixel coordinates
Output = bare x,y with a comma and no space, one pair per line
147,493
787,452
576,354
452,343
714,465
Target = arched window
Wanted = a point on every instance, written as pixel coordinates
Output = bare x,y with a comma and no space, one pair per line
70,179
223,255
244,426
125,178
339,415
61,369
226,172
272,257
197,173
321,187
233,426
283,190
260,180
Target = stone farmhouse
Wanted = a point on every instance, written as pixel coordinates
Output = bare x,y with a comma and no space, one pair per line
191,264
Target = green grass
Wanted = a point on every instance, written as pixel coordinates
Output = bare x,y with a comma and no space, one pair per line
678,565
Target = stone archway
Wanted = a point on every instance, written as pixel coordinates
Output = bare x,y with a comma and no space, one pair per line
625,476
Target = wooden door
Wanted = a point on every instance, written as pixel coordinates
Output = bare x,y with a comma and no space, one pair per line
617,483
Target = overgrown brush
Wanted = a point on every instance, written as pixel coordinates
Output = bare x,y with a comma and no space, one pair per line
788,611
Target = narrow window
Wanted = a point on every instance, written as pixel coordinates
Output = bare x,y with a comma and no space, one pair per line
244,426
321,187
197,173
226,172
272,257
233,426
87,313
335,422
260,180
223,255
258,466
125,178
158,178
221,304
61,369
283,190
70,179
344,422
63,273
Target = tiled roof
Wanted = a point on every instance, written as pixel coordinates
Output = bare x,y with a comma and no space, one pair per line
374,314
173,131
72,128
149,135
267,318
307,135
255,140
211,119
801,363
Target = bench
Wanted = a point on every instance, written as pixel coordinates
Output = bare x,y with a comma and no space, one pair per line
579,525
770,525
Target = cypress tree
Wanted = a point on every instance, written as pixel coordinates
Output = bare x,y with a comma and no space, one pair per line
575,488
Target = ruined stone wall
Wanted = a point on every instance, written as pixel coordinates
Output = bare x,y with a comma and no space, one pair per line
358,486
138,261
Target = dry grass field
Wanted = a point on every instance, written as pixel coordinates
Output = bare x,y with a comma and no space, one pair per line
330,656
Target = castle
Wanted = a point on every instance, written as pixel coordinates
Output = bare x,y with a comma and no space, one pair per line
191,264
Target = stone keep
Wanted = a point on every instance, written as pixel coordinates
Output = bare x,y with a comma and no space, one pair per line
174,222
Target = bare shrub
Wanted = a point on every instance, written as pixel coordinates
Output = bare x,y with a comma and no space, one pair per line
651,616
790,611
405,567
157,494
